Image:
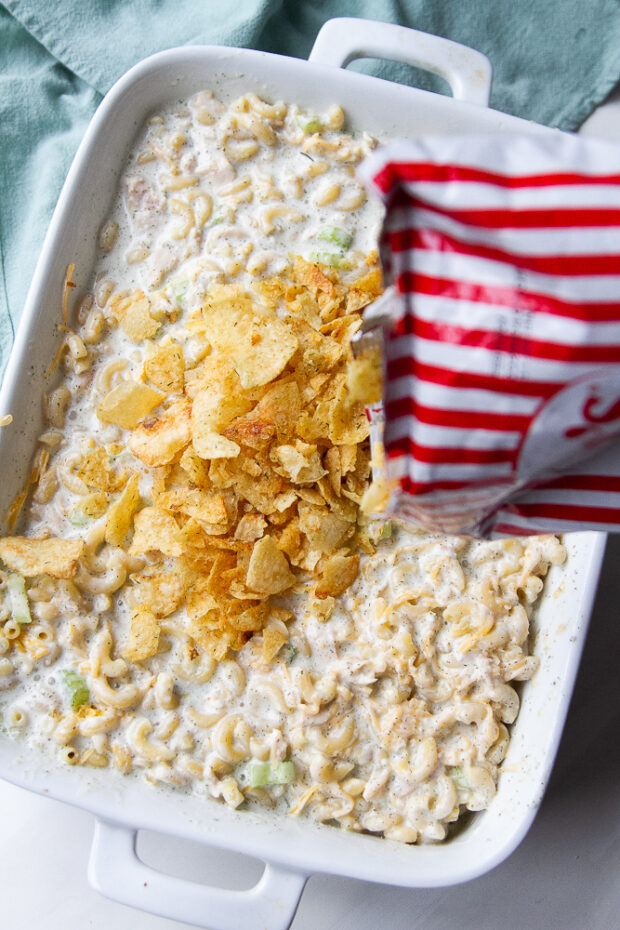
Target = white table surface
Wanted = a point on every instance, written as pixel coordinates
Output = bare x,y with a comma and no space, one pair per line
564,875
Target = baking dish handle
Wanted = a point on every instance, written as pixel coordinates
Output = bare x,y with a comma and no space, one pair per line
116,871
342,40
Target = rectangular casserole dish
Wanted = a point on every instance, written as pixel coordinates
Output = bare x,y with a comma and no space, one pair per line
291,849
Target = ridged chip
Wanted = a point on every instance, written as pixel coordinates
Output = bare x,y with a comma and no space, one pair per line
30,557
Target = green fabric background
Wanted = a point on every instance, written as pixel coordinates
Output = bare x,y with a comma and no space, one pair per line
554,61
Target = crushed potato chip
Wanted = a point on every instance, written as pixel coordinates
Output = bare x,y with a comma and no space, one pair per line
94,505
273,640
250,527
326,531
268,571
162,593
119,516
166,368
258,343
337,574
30,557
155,529
209,508
301,462
132,312
128,403
158,440
365,377
144,633
96,472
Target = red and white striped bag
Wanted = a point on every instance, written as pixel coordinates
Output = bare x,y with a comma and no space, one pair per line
502,347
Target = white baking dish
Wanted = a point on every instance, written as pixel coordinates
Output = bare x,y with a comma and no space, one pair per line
291,849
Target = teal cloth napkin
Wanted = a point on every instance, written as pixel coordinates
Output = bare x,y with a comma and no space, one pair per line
554,61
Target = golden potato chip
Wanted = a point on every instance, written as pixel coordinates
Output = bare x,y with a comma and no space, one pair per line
29,557
268,571
348,422
325,531
290,539
250,430
223,562
348,457
217,643
166,368
119,516
214,406
337,573
365,377
273,640
200,600
209,508
127,404
158,440
281,405
339,505
250,527
96,473
195,468
323,608
376,497
256,340
143,636
248,619
162,593
333,463
93,505
211,445
311,496
155,529
132,312
305,306
314,278
319,353
281,503
301,462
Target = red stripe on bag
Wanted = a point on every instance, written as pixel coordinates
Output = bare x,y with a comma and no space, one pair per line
509,343
444,455
405,365
421,488
427,171
412,282
573,265
461,419
601,483
498,218
579,513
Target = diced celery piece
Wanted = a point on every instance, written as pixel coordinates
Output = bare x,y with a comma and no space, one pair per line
258,774
77,688
309,123
216,221
288,652
283,773
327,258
178,290
18,599
459,778
338,236
386,530
262,774
77,518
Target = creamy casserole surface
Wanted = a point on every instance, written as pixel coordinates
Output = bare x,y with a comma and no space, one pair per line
196,596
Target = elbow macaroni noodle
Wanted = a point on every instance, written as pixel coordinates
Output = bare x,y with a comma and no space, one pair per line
393,699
